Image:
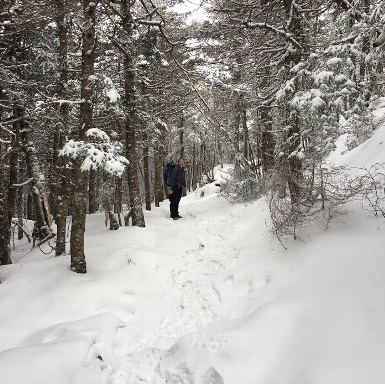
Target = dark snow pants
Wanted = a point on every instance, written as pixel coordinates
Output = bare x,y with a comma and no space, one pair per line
174,200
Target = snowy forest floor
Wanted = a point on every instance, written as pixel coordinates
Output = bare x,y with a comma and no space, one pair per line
209,299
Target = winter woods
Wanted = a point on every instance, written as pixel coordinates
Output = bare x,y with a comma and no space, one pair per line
96,96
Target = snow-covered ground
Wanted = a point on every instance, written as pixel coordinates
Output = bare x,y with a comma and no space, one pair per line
208,299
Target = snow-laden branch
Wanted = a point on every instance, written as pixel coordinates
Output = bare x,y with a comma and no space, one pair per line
30,180
98,152
280,32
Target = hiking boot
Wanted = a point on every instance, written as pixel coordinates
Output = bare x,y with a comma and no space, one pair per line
179,217
175,218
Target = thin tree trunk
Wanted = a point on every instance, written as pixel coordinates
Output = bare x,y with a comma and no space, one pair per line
194,169
146,171
62,200
181,136
114,225
244,128
5,249
13,172
63,173
92,201
267,145
30,207
158,190
182,148
54,184
20,215
118,198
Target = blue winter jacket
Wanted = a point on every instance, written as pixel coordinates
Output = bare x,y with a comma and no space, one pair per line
177,177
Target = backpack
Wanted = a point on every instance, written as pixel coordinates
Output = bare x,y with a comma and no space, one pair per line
167,172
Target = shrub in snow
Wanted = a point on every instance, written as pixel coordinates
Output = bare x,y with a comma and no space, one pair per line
240,185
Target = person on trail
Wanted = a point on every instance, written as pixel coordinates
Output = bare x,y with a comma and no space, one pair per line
177,182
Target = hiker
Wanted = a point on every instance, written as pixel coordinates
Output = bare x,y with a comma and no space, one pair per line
177,182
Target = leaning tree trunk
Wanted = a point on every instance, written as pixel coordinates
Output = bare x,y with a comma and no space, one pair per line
39,195
81,178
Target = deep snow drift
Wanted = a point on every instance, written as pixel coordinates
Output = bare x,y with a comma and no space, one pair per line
208,299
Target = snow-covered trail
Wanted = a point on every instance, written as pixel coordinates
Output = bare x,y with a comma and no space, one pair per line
191,299
208,299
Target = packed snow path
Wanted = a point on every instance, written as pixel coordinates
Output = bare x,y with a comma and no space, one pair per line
195,301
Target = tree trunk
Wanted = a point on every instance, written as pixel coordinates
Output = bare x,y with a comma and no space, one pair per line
78,226
54,184
40,202
13,172
294,164
146,171
30,207
194,169
244,128
181,136
158,166
118,197
130,112
114,225
182,148
62,201
63,173
132,174
5,249
20,215
81,178
92,201
267,143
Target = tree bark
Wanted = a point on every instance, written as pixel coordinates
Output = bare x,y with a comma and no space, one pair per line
118,197
13,172
267,143
81,178
5,249
39,197
63,172
92,201
146,171
293,170
114,225
130,112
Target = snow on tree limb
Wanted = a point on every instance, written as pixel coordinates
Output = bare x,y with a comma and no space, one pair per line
288,36
100,152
